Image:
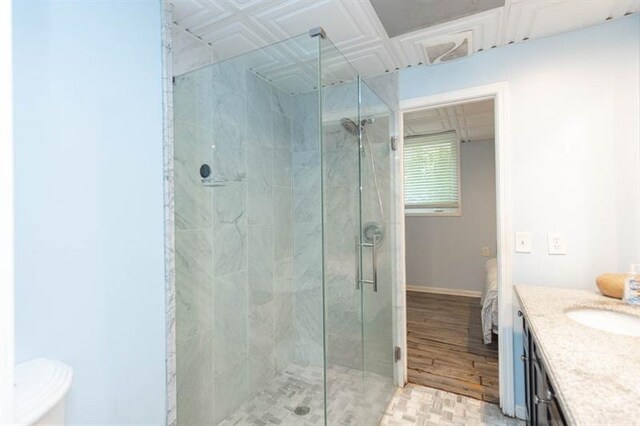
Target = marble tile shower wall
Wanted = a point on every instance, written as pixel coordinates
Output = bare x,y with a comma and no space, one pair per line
249,253
307,229
234,243
337,180
341,214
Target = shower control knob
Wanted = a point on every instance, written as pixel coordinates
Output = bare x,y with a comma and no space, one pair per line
205,171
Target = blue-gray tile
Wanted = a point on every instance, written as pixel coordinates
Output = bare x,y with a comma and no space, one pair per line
283,224
194,282
261,362
305,122
307,184
281,102
195,380
258,111
230,321
193,207
260,264
230,228
230,390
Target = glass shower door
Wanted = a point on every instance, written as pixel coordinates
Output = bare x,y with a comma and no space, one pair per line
356,248
375,232
341,223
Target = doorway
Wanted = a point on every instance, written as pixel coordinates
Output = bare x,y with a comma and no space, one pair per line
449,158
445,330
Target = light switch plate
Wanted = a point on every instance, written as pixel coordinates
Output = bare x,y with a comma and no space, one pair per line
557,243
523,242
486,252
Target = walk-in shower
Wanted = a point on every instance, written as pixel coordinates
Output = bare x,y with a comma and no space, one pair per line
283,302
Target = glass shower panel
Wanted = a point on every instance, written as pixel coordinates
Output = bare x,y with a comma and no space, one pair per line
248,220
341,202
376,204
193,135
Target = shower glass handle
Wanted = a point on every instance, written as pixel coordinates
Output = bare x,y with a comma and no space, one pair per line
375,265
374,259
357,263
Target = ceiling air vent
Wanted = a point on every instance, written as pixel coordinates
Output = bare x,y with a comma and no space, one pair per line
442,50
403,16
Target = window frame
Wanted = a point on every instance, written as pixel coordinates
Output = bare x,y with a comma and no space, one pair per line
437,211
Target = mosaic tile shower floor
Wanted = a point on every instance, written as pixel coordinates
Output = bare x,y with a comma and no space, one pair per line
299,386
414,405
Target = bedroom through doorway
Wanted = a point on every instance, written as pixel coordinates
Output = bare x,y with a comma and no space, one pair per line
451,248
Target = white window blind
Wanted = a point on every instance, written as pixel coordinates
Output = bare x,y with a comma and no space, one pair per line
432,171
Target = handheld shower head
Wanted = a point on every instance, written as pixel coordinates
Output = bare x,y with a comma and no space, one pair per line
350,126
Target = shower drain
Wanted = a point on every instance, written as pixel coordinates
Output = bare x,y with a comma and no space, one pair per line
301,410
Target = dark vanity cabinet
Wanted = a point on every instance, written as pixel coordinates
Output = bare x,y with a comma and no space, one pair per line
542,405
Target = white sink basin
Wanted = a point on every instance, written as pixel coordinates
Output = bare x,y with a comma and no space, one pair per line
610,321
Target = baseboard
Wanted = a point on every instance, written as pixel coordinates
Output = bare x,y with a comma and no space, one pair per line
521,412
440,290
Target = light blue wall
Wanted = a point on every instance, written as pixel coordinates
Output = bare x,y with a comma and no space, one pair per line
574,128
89,202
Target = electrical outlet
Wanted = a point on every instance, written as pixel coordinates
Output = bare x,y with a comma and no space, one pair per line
557,243
486,252
523,242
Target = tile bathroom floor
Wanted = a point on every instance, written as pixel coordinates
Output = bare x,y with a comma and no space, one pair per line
414,405
419,405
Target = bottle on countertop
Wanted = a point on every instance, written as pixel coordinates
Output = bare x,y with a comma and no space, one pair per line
632,285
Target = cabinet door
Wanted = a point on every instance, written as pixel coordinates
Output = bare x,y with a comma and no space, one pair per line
546,409
554,414
526,360
542,406
539,390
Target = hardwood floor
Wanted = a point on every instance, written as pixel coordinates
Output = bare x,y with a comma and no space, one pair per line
445,348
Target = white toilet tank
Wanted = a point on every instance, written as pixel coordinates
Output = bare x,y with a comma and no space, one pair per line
40,389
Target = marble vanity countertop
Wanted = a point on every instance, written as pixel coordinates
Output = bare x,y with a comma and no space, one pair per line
595,374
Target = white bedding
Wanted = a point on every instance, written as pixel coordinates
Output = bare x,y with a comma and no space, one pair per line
489,301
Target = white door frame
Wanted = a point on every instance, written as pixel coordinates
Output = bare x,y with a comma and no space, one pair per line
6,219
500,93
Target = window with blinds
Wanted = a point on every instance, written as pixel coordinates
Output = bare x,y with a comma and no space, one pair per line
432,174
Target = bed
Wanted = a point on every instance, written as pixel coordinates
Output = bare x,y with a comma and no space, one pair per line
489,301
